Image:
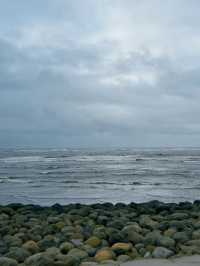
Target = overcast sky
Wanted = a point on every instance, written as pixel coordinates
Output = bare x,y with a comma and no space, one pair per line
99,73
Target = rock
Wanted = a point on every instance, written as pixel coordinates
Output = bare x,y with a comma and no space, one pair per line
100,232
12,241
4,261
133,253
132,227
102,219
78,253
90,250
19,254
179,216
93,241
89,263
66,247
146,221
166,241
47,242
170,232
52,252
161,252
121,248
123,258
194,243
152,238
110,263
59,225
104,254
181,237
31,246
197,225
196,235
131,235
39,259
77,242
69,261
142,251
189,250
147,255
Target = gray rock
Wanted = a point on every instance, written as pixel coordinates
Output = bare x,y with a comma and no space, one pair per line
78,253
130,234
39,259
161,252
179,216
196,235
166,242
147,255
146,221
4,261
181,237
19,254
194,243
152,238
123,258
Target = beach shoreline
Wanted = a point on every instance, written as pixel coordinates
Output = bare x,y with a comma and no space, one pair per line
112,234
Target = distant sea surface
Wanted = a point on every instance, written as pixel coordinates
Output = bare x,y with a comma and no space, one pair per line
65,176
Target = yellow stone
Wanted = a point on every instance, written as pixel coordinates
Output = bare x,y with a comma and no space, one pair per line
125,247
105,254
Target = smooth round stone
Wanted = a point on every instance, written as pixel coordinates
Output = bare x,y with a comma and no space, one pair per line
161,252
166,241
121,248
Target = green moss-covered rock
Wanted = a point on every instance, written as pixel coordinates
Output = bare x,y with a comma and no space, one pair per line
66,247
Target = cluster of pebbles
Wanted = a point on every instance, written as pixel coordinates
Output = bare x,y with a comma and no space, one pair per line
90,235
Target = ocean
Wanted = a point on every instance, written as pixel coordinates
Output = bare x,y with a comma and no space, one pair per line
65,176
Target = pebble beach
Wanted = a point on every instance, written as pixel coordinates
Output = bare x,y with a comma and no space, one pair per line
96,234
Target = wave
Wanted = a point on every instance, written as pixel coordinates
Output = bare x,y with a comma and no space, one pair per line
21,159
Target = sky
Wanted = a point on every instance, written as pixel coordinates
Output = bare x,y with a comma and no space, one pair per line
104,73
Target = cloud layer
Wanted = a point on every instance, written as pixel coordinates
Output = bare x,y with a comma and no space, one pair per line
96,73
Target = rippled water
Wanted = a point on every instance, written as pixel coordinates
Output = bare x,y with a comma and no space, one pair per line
118,175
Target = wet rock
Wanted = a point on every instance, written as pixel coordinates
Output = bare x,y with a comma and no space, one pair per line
4,261
161,252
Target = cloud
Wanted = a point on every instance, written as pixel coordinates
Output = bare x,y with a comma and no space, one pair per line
100,73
